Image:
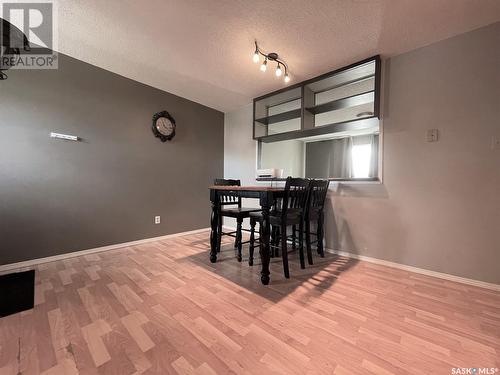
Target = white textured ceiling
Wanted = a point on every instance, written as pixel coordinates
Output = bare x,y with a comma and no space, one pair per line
202,49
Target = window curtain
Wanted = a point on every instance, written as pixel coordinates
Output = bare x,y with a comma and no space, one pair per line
318,159
341,158
333,158
372,140
374,157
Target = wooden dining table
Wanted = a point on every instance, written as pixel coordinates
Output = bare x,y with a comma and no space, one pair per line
267,196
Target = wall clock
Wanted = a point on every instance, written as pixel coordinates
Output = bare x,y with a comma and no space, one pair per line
163,126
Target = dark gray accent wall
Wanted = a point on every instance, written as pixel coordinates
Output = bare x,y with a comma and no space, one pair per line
62,196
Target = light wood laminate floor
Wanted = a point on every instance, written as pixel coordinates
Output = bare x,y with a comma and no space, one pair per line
162,308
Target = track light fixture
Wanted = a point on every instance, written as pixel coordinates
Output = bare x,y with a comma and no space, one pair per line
273,56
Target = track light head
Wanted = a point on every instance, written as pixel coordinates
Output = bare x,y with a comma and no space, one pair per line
263,67
256,57
278,70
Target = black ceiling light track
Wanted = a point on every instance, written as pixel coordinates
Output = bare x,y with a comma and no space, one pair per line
273,57
12,39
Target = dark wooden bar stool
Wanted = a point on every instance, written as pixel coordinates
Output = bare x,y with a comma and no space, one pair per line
235,211
315,213
289,211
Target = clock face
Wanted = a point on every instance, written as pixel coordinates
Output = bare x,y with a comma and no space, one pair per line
165,126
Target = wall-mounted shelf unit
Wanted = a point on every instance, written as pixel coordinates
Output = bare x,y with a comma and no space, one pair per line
340,100
350,101
280,117
278,113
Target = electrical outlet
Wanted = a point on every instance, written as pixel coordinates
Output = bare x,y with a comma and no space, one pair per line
495,143
157,220
432,135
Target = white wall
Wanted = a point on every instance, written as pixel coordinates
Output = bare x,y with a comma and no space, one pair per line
439,205
240,152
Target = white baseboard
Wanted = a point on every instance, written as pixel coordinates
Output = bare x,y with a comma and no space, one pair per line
422,271
445,276
34,262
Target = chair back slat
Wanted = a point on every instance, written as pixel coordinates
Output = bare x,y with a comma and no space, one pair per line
295,197
317,194
228,198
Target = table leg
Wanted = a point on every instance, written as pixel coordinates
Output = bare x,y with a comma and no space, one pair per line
320,234
238,238
252,241
214,223
264,247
